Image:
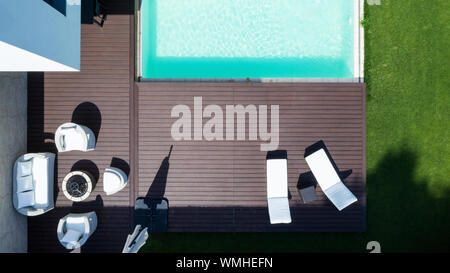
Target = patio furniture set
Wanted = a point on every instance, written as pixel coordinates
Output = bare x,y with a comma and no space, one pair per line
325,175
33,194
33,184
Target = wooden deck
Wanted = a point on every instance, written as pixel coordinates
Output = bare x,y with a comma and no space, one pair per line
221,185
211,186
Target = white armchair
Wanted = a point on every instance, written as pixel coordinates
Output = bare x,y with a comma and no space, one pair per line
33,182
74,229
73,137
114,180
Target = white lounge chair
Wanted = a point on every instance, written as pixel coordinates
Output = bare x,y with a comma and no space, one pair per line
75,228
329,180
73,137
33,181
277,191
114,180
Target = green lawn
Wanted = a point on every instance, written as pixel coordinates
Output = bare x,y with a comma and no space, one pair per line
408,168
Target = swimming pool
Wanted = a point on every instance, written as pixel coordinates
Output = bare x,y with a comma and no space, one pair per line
247,39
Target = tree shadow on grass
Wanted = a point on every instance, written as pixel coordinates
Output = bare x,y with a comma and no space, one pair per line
402,214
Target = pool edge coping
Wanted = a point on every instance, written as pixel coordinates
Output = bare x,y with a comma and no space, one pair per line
358,38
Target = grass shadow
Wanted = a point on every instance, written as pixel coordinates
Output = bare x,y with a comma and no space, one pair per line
402,214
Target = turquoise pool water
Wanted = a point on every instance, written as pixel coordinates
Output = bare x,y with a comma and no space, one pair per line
247,38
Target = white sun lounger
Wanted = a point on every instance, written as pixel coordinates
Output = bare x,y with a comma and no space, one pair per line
277,191
329,180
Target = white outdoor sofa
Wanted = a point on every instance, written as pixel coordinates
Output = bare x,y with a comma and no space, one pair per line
33,181
114,180
74,229
73,137
329,180
277,191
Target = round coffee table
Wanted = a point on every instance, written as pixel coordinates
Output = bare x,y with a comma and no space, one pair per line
77,185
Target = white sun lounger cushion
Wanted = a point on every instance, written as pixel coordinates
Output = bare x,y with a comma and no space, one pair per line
279,211
340,195
329,180
277,191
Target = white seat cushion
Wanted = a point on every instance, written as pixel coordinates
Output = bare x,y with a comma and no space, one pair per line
25,183
279,211
114,180
71,237
25,199
41,171
277,191
74,140
24,168
111,182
